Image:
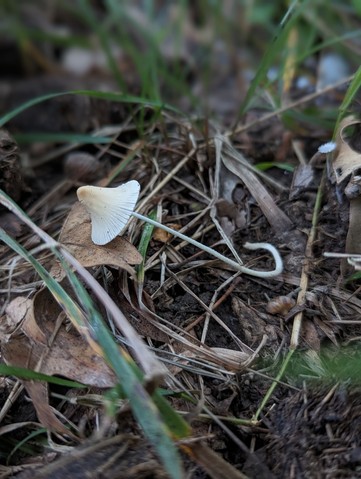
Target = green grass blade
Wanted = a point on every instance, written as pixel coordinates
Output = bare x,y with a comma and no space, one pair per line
117,97
24,106
176,424
273,50
143,246
343,365
87,13
54,38
20,445
266,165
350,95
28,374
148,65
61,138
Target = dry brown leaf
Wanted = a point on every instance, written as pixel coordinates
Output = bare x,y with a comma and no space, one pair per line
280,305
38,391
346,159
328,329
235,162
228,210
347,171
253,326
303,177
163,236
67,355
11,224
76,236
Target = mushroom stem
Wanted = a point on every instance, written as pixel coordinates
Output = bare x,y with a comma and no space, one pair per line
236,266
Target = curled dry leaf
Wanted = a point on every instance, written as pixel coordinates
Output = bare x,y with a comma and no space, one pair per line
163,236
34,345
280,305
76,236
347,158
39,394
227,209
235,162
347,172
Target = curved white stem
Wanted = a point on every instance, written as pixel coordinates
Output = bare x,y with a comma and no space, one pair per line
236,266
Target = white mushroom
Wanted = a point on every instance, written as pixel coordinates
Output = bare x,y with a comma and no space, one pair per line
109,208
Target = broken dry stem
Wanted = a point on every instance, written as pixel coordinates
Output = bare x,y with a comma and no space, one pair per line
236,266
301,298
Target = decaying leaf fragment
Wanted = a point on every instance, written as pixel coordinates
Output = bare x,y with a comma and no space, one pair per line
347,158
76,236
39,340
346,167
234,161
163,236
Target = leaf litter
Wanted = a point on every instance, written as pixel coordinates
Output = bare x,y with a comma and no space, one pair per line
223,336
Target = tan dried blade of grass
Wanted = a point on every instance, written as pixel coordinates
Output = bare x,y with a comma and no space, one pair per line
167,178
235,162
16,389
218,143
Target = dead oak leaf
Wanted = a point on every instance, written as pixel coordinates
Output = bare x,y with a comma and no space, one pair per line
76,236
347,158
346,166
33,345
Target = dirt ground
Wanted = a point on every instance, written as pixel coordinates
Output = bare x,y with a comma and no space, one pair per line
309,425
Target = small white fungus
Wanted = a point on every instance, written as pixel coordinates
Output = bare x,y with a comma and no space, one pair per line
109,208
327,147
